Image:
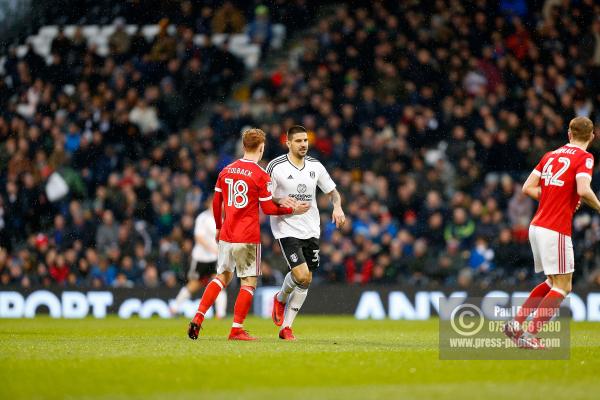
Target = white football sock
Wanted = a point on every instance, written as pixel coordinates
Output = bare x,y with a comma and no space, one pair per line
183,296
286,289
221,304
294,304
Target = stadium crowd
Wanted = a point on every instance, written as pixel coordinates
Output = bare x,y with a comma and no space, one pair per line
427,116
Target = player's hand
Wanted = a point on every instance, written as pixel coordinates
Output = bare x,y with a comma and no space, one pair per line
338,217
301,208
289,202
217,235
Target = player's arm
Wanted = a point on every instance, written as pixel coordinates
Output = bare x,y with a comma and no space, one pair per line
286,201
337,215
270,208
217,211
532,187
584,190
265,199
281,201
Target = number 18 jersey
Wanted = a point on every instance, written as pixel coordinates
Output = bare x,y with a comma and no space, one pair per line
558,171
243,184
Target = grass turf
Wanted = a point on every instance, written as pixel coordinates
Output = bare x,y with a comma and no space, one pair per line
334,358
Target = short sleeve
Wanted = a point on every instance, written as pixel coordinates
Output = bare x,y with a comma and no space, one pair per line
586,166
218,185
539,167
265,190
325,183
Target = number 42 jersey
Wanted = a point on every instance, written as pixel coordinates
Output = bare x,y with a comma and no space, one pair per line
558,171
243,185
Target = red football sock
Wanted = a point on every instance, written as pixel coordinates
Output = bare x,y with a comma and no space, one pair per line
210,295
533,301
546,310
242,305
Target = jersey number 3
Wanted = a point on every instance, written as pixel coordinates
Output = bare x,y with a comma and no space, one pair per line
552,179
237,193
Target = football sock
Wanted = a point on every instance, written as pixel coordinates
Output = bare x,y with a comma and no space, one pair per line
546,310
295,303
532,302
289,283
210,295
242,306
221,304
183,295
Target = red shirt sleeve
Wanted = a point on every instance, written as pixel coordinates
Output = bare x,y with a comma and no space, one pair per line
270,208
265,188
539,167
217,211
219,185
586,166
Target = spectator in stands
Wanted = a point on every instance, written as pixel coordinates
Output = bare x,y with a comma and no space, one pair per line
228,19
426,122
260,30
119,42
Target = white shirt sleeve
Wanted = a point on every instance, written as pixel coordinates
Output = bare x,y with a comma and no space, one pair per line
325,183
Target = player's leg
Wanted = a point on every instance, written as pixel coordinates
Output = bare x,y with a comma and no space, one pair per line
537,240
247,260
225,268
303,275
550,303
186,292
291,248
221,303
561,270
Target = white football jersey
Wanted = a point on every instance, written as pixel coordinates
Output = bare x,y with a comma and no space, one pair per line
206,228
300,183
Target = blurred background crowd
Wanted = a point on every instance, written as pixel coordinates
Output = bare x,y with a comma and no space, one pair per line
428,115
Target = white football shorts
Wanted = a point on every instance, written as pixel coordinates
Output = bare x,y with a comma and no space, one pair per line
552,251
244,258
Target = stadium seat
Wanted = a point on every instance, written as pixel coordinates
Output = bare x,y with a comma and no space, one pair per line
49,31
150,31
90,31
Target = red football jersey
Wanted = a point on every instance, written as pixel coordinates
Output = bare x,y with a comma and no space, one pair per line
558,171
243,184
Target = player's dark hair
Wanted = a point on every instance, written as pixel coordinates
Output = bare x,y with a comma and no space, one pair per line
581,128
295,129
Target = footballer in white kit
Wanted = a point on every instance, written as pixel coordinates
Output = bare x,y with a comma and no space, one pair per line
203,262
296,176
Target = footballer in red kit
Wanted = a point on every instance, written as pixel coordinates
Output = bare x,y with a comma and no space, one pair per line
241,188
239,182
560,181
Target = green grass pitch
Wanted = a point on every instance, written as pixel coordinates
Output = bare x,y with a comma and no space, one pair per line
334,358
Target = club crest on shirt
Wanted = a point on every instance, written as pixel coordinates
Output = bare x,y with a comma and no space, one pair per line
301,188
294,257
